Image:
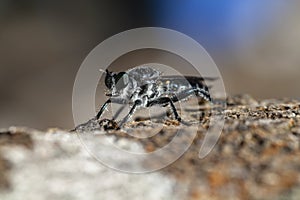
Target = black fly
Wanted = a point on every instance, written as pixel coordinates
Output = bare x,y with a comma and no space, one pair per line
143,87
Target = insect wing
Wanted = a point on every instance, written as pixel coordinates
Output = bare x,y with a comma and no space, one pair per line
186,81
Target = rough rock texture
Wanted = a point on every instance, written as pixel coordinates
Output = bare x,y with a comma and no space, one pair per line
256,157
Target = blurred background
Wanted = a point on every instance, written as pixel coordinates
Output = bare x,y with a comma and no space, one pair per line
254,43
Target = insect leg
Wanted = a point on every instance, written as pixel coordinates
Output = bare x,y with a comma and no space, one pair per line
164,100
129,115
109,101
118,112
201,92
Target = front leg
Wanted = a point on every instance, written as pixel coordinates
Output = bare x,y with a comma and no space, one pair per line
109,101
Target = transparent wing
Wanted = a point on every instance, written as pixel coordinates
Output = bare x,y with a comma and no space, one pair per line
176,81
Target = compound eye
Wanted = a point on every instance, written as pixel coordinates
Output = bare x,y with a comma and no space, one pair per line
122,80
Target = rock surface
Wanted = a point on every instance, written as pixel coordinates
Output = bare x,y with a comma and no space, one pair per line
256,157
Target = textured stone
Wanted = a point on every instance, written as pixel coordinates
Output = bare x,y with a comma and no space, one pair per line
256,157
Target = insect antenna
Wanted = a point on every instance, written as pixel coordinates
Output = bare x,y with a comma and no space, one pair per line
103,71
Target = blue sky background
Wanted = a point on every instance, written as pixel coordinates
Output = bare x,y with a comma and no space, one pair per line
218,25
